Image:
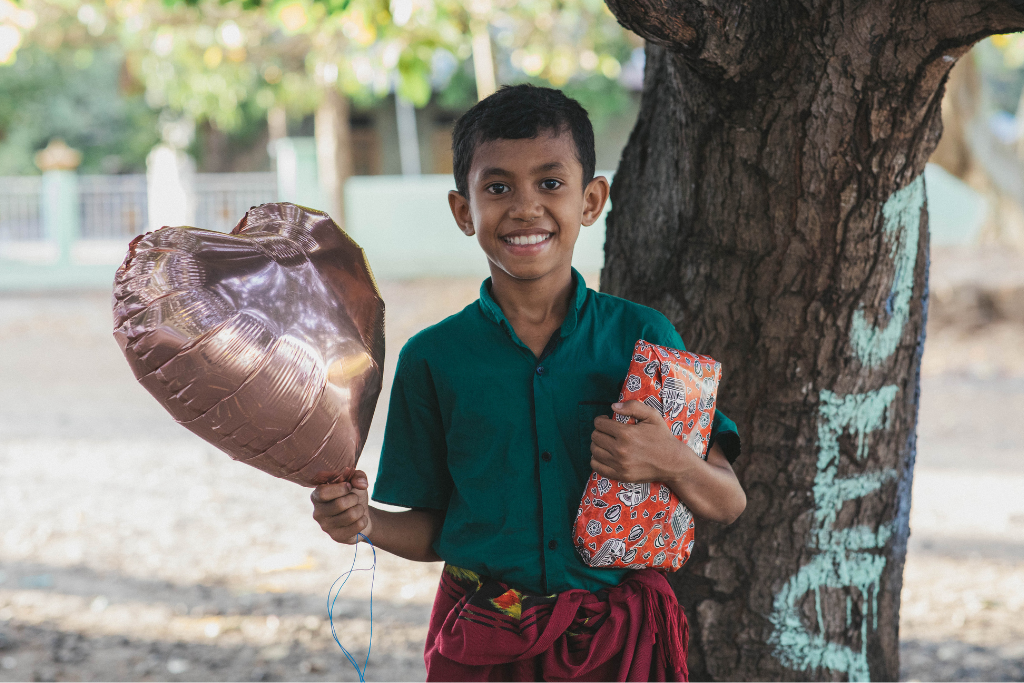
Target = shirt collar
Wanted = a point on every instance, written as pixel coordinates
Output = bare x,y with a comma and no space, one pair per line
493,311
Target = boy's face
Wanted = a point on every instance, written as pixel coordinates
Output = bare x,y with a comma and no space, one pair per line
525,205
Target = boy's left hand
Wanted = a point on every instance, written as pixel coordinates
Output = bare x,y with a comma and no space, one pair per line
641,452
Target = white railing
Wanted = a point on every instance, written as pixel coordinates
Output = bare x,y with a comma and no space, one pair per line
20,218
112,206
223,198
115,207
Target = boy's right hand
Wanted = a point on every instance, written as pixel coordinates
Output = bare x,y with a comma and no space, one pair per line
343,510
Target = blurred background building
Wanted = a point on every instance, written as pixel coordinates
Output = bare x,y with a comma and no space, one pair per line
189,113
120,117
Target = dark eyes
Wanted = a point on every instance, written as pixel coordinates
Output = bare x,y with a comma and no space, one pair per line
502,188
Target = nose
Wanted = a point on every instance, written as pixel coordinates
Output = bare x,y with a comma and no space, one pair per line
527,207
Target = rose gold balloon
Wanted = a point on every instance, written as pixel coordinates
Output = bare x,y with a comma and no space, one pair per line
268,342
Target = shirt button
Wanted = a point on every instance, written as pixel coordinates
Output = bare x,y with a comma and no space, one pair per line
540,369
552,545
545,456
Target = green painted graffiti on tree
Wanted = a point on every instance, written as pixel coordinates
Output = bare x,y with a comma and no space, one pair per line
848,559
901,224
841,562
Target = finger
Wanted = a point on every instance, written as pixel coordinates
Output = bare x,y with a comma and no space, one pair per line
341,521
344,518
636,409
348,534
328,492
603,439
336,506
346,502
607,425
602,469
602,455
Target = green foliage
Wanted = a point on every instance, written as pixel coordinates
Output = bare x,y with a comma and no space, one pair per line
603,98
75,94
459,94
368,48
414,81
225,63
218,64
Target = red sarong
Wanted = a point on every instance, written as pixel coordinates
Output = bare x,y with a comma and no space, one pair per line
483,630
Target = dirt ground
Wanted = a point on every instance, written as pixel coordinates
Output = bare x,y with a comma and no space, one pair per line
131,550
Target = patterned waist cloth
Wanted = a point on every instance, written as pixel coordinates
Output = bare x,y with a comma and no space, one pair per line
484,630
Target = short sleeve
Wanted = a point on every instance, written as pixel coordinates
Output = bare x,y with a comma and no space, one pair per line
726,435
414,460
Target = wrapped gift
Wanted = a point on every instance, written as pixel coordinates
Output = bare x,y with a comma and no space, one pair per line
622,524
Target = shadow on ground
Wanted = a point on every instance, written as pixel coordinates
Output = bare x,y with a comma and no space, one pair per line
73,623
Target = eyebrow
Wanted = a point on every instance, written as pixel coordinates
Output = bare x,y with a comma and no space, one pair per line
495,171
550,166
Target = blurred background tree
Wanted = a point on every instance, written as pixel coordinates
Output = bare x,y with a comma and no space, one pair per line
983,133
68,80
227,78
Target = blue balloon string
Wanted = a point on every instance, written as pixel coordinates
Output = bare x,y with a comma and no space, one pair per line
331,600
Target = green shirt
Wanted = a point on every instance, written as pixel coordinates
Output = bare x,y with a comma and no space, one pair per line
480,427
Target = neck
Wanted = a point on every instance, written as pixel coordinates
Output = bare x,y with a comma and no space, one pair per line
536,302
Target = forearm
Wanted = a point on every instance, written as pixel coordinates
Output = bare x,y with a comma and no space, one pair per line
711,491
408,534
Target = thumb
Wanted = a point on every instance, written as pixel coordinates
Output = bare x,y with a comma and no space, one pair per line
635,409
359,480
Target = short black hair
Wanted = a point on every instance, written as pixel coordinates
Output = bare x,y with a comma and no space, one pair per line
516,112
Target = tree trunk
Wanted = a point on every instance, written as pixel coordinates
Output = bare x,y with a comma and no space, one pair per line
333,150
770,202
215,155
277,124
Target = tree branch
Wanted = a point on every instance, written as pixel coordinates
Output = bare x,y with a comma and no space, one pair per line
731,37
965,22
669,23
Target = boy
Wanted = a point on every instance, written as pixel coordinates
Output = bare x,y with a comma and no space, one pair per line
499,413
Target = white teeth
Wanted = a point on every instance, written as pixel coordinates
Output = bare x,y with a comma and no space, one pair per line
519,240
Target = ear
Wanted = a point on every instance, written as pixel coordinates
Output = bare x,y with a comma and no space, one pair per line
594,197
460,210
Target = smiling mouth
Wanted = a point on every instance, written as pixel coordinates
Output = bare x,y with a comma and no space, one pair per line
522,240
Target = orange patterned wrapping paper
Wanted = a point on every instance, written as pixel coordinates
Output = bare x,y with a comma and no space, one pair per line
622,525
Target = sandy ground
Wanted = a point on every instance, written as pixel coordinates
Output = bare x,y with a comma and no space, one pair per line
130,549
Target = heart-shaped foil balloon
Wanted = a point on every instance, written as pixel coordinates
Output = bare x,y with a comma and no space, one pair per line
267,342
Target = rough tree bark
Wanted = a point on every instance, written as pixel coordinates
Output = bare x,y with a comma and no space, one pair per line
770,201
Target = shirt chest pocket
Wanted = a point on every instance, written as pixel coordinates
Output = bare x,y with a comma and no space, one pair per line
588,411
